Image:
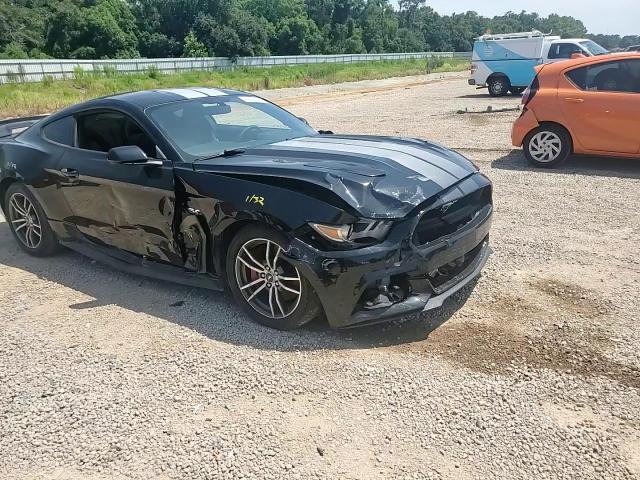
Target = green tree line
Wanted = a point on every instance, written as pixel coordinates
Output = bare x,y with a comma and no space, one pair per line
89,29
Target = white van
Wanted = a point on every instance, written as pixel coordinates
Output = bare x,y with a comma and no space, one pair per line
505,63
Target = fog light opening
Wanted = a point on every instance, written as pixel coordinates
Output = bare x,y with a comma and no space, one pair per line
388,291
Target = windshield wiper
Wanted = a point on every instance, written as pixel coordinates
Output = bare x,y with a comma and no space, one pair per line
230,152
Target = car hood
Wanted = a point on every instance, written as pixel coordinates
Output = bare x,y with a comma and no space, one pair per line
380,177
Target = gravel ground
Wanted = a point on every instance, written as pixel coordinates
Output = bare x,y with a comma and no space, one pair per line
532,373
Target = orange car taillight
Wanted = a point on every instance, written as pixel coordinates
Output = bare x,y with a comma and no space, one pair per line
530,92
473,68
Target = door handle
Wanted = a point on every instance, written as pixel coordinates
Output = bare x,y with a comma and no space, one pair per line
70,173
574,100
70,177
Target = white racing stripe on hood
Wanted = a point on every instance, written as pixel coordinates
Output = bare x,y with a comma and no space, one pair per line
421,167
422,154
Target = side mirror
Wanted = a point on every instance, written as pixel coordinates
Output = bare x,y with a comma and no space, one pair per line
130,155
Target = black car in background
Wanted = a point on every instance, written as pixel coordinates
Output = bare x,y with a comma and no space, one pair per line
214,188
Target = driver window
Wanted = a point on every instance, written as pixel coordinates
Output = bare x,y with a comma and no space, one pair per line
102,131
563,50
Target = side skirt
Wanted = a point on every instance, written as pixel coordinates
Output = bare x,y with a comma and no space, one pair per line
134,264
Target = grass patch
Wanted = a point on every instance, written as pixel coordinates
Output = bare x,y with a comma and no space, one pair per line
22,99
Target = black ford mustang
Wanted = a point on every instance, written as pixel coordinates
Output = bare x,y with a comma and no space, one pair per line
211,187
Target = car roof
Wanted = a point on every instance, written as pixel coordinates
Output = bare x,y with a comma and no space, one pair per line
143,99
150,98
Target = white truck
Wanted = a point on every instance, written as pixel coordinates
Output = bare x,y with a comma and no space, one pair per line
505,63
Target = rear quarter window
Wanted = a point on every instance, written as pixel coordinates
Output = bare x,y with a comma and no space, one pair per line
61,131
579,77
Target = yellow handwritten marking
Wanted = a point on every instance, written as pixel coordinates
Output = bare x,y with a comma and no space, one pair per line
255,199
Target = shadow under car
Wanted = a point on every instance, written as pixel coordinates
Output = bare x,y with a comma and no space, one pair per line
580,164
212,314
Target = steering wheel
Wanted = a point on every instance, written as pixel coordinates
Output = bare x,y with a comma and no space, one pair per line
244,134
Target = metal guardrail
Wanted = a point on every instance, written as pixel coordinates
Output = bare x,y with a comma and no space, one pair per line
21,71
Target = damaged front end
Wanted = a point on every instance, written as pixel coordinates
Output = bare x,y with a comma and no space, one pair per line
426,257
380,227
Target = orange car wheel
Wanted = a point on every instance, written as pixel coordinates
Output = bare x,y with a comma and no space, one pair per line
547,146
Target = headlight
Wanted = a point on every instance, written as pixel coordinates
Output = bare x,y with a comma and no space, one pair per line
339,233
364,231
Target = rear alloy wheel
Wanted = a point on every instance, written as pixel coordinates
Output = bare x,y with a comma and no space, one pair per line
547,146
28,222
265,283
25,221
499,86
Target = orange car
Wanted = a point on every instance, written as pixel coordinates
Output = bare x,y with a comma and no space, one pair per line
584,106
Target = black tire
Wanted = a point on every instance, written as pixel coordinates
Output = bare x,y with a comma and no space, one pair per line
541,140
47,243
517,90
303,310
498,86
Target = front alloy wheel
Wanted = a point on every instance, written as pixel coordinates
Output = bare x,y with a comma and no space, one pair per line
265,283
269,285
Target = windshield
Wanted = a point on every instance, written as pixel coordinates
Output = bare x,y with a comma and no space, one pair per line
208,126
593,48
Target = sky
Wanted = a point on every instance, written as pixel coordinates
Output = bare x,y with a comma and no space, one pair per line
612,16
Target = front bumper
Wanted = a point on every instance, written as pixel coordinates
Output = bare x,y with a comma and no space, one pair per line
422,302
342,278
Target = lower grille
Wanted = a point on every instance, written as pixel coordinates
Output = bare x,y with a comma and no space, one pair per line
450,217
441,277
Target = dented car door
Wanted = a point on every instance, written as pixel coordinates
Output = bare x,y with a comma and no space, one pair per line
126,206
